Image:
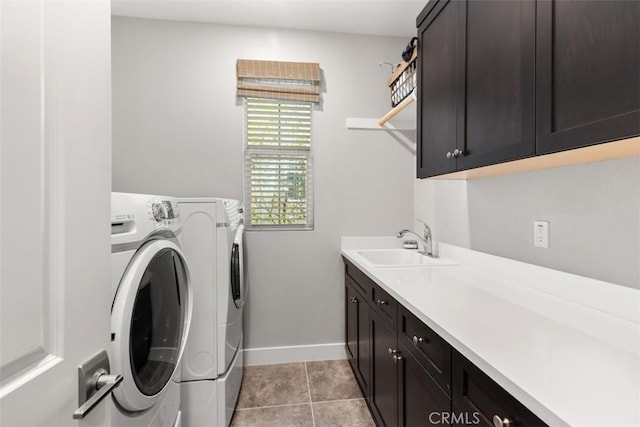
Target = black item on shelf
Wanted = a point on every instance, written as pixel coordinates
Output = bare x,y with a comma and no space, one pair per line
408,51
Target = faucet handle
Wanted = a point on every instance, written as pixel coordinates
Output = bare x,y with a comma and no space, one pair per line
427,229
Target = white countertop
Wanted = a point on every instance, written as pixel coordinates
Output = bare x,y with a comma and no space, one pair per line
567,347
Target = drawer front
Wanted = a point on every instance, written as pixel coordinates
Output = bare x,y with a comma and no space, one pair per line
479,397
362,282
384,304
429,349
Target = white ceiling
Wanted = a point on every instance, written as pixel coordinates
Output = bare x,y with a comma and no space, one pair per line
373,17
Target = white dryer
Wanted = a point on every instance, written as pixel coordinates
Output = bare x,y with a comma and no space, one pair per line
213,243
151,311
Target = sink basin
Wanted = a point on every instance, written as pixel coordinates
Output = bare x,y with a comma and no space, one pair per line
401,258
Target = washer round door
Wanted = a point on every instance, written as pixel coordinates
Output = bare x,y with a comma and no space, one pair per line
150,318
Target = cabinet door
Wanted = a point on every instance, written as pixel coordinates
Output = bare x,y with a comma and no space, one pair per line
437,89
496,68
421,402
351,324
357,335
384,379
478,397
587,68
364,347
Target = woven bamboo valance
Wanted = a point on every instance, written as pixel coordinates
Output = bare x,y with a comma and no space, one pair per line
294,81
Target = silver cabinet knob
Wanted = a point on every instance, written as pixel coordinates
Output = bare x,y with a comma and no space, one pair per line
457,153
381,302
501,422
417,340
449,154
354,300
395,354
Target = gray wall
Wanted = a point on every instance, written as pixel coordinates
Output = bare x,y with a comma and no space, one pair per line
444,206
177,129
593,211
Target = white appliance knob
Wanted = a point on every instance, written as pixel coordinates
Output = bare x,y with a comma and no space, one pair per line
158,211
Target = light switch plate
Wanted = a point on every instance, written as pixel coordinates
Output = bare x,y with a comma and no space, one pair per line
541,234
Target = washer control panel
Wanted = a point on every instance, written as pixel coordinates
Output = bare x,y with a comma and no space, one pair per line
164,211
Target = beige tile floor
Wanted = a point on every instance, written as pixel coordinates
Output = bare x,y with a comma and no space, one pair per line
314,394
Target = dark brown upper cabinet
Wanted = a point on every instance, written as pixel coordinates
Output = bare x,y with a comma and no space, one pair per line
504,80
437,88
476,84
588,73
496,88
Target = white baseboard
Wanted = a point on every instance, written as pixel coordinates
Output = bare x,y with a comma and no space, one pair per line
292,354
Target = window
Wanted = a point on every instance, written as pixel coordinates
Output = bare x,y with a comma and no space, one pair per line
278,164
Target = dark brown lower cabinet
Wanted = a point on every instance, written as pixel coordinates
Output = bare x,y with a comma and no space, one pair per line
410,375
403,393
384,384
427,347
478,397
465,418
421,402
357,334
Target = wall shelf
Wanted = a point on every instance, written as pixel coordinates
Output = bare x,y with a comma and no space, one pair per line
397,119
374,124
395,110
402,83
401,80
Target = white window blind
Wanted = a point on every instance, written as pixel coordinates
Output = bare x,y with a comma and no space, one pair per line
278,164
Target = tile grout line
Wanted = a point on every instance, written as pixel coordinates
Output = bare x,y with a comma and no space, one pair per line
300,403
306,372
270,406
339,400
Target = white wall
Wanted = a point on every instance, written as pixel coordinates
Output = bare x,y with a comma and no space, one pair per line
177,129
593,211
443,205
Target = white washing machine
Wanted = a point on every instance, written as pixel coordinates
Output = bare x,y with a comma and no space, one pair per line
151,311
213,242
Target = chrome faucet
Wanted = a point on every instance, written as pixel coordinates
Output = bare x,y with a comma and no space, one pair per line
426,239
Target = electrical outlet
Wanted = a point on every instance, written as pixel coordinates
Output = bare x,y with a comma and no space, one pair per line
541,234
